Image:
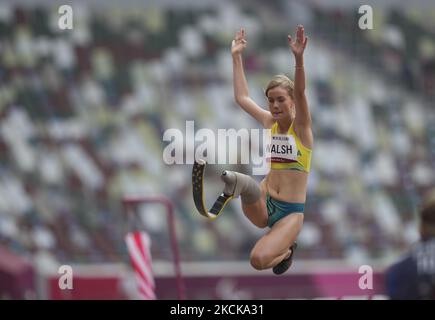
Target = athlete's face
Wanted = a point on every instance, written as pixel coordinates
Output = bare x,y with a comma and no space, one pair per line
281,105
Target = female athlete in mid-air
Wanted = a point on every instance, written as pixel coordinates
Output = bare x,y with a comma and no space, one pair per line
278,202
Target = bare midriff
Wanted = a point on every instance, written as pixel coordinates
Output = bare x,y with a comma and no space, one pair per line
287,185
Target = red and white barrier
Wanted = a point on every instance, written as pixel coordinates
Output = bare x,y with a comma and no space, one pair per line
138,245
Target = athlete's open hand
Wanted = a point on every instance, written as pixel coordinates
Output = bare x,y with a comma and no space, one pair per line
239,42
298,46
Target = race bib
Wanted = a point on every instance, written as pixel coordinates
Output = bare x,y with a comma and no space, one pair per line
282,148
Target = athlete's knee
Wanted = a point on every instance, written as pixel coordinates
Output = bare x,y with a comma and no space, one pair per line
260,260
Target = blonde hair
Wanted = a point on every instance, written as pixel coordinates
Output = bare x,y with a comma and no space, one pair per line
281,81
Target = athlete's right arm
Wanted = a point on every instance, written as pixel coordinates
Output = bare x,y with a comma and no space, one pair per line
241,92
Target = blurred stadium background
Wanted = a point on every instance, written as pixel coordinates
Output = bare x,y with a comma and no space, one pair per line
83,111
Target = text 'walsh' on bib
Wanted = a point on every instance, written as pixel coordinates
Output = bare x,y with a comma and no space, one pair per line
282,148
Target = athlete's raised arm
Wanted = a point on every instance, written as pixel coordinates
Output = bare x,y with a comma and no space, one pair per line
302,122
241,92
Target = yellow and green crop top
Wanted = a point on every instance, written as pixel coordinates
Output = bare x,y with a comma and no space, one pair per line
285,151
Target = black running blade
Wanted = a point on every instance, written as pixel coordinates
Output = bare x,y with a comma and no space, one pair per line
198,193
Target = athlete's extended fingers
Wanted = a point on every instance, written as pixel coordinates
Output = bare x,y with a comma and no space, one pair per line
237,37
300,33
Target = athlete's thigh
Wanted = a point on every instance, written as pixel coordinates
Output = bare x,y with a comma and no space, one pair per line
257,212
282,235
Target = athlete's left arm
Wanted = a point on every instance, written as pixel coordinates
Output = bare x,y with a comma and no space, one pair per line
303,116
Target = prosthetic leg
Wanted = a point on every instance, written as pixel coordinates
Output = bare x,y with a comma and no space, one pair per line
236,184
